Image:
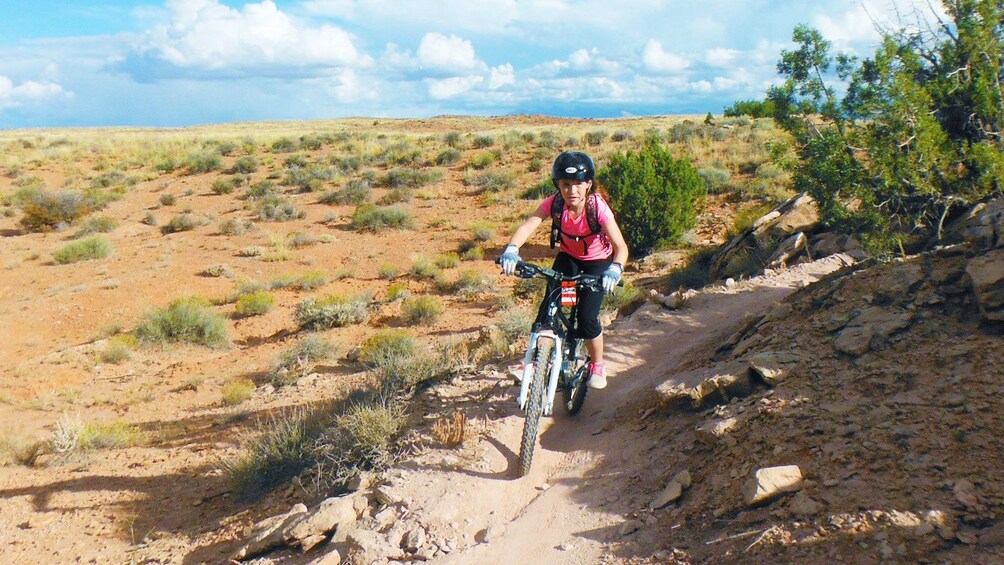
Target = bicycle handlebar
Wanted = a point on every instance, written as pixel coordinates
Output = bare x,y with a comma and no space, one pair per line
529,270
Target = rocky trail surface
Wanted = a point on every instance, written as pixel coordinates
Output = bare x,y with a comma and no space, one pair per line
850,420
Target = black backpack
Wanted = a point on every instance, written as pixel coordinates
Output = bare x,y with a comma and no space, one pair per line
592,218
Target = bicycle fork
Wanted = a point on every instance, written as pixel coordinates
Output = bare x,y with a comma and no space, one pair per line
552,381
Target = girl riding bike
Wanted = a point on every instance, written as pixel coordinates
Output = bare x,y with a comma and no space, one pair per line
590,242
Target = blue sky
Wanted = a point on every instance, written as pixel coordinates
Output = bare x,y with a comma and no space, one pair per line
186,62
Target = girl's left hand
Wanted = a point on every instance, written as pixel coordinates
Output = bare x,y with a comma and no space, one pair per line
611,277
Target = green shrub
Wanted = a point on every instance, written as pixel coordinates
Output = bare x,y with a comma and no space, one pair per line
356,192
627,296
472,283
308,178
254,304
44,211
261,190
447,260
482,159
332,312
542,189
410,177
622,135
387,271
168,199
596,137
223,185
72,436
280,450
17,449
184,320
454,140
482,232
494,181
204,162
83,250
656,197
515,321
448,157
236,227
300,361
277,209
119,348
99,224
715,179
395,196
182,222
236,391
422,267
421,310
767,171
218,270
371,218
483,141
396,291
245,165
307,281
388,346
284,145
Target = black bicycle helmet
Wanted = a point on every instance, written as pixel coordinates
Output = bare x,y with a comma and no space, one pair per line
574,165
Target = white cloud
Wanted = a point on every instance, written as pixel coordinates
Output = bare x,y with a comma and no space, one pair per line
502,75
333,8
861,22
658,61
27,92
207,35
721,57
347,88
450,54
441,89
580,59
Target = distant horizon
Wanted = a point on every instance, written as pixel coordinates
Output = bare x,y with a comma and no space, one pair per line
185,63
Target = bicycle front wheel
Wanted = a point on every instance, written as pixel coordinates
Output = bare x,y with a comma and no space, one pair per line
535,404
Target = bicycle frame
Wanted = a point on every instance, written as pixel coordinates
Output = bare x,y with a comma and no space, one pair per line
555,326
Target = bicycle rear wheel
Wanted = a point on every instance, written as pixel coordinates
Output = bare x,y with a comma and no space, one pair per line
575,393
534,405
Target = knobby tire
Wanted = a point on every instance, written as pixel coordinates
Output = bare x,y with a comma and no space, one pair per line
535,405
575,396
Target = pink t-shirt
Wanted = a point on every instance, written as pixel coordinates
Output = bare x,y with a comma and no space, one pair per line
588,247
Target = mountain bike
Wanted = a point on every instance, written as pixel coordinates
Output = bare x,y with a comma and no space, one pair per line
554,359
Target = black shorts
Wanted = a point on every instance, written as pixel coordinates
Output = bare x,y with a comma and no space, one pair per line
588,311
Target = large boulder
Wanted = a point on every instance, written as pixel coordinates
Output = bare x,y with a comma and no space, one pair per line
871,329
987,275
708,385
268,534
984,225
314,527
798,214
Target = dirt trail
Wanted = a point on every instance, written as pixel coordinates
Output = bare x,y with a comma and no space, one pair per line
577,497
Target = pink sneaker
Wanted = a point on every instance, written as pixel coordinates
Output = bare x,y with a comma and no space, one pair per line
596,377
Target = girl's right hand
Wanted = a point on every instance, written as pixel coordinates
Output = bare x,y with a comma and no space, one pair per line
509,259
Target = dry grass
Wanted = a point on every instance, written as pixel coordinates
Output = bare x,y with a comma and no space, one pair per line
450,430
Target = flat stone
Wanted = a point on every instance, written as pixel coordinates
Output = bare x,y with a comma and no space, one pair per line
771,482
671,493
803,505
268,533
712,432
331,513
